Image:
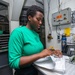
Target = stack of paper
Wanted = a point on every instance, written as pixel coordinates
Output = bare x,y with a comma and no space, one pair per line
45,63
59,64
52,63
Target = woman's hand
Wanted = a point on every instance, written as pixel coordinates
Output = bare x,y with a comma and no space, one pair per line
46,52
57,53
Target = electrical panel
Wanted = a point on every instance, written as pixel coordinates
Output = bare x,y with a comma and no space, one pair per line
61,17
73,17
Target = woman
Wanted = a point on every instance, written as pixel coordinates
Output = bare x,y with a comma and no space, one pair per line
25,46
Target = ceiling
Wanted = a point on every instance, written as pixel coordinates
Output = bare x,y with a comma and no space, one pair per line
3,5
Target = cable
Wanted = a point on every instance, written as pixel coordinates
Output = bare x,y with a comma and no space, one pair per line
58,5
57,29
48,16
39,2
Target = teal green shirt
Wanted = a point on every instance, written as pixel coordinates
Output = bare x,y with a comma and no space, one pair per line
23,42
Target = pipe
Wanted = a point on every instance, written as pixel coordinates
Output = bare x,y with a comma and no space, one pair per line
39,2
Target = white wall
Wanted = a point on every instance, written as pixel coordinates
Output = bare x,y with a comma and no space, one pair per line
53,9
13,25
15,8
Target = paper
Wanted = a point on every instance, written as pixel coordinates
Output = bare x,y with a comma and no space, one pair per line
45,63
52,63
59,64
67,31
71,49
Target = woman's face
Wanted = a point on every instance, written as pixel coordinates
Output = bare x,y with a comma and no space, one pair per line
36,21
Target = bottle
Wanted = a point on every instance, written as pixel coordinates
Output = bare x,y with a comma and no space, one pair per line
63,43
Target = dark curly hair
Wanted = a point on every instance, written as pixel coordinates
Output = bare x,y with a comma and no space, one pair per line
32,11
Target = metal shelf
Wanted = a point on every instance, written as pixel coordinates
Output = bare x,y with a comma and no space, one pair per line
4,41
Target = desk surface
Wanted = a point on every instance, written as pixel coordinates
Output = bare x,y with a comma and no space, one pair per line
70,70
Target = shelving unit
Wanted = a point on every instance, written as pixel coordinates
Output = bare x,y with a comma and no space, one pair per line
4,41
4,24
4,64
4,37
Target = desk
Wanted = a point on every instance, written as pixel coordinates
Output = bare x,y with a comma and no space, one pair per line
70,70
